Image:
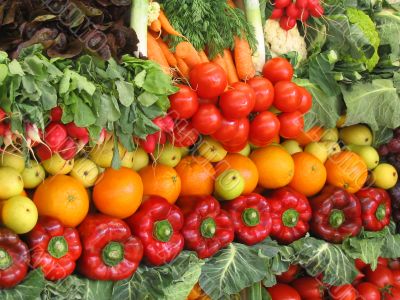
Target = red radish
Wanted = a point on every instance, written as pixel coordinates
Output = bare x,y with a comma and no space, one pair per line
277,13
3,114
55,135
287,23
317,11
312,4
33,134
161,137
68,149
302,4
304,15
165,123
56,114
293,11
43,152
3,129
102,137
77,132
282,3
149,144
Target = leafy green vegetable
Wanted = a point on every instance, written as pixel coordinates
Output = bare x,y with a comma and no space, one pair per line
171,281
29,289
208,24
375,103
388,27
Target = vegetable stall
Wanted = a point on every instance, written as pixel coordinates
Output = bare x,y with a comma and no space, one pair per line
195,149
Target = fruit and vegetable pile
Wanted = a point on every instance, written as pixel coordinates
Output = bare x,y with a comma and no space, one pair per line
181,149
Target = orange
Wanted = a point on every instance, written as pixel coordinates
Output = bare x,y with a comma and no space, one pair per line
312,135
64,198
309,174
346,170
275,166
244,165
161,180
118,193
197,176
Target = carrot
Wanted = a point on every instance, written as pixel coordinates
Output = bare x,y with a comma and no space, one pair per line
167,53
183,68
203,56
166,25
155,25
155,53
230,67
219,60
244,63
188,53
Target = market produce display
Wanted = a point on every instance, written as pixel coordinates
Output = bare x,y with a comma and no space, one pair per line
200,150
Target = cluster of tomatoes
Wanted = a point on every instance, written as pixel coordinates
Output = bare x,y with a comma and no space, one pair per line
287,12
381,283
257,111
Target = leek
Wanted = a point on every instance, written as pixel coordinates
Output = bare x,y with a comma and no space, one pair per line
139,18
253,16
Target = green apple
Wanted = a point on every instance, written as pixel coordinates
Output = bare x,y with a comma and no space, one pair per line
85,171
229,185
211,150
369,155
184,151
167,155
356,134
57,165
291,146
331,135
12,160
384,176
140,159
245,151
319,150
127,159
331,147
20,214
11,183
102,154
33,175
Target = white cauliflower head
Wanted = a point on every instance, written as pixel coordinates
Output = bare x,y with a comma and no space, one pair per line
280,41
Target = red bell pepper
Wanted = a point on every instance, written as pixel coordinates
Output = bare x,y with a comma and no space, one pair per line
14,259
158,224
290,212
54,248
251,218
375,208
109,251
207,227
336,214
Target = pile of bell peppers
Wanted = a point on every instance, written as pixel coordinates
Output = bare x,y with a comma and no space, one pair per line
107,248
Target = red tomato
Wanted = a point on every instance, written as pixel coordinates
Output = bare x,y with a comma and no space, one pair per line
184,135
368,291
208,80
278,69
358,278
289,275
394,264
392,294
227,130
208,101
239,139
343,292
287,96
305,100
233,148
360,265
283,291
236,104
396,278
383,261
207,119
264,91
263,128
184,103
381,277
309,288
245,87
292,124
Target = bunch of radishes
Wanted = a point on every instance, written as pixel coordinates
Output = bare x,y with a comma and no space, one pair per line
287,12
166,125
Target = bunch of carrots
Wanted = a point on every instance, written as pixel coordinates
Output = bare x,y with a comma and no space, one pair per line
237,64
